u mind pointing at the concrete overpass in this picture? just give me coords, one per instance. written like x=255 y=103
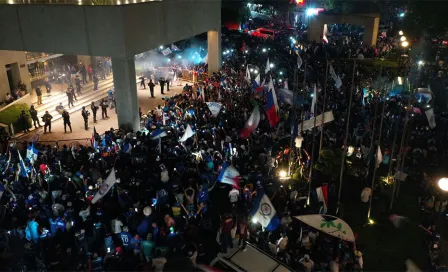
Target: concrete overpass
x=118 y=31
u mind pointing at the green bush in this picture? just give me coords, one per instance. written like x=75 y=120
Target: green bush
x=11 y=116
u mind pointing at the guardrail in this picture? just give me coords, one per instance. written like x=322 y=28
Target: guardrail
x=59 y=144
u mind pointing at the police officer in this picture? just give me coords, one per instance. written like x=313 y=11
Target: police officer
x=94 y=109
x=24 y=121
x=33 y=114
x=69 y=97
x=162 y=85
x=85 y=115
x=151 y=86
x=78 y=85
x=73 y=92
x=104 y=109
x=66 y=118
x=95 y=82
x=47 y=121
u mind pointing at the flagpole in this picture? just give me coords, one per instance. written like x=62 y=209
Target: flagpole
x=347 y=127
x=294 y=90
x=310 y=176
x=391 y=161
x=405 y=132
x=323 y=111
x=374 y=169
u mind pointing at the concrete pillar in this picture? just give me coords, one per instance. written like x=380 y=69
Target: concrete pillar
x=214 y=51
x=371 y=31
x=125 y=84
x=315 y=30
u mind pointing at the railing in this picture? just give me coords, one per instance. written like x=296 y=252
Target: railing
x=59 y=144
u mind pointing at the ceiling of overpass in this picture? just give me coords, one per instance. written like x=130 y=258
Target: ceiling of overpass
x=75 y=2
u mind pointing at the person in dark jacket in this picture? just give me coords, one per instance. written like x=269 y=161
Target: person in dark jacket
x=151 y=86
x=39 y=95
x=94 y=109
x=33 y=114
x=69 y=97
x=104 y=106
x=47 y=121
x=162 y=85
x=66 y=118
x=23 y=119
x=85 y=115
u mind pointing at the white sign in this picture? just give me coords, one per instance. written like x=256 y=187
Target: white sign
x=214 y=107
x=309 y=124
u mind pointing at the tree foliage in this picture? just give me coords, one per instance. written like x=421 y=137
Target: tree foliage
x=426 y=18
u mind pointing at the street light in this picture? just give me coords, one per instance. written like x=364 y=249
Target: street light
x=443 y=184
x=400 y=32
x=403 y=38
x=404 y=44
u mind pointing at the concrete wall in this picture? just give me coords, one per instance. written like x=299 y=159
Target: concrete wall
x=19 y=73
x=116 y=31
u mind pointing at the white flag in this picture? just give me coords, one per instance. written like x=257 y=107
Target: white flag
x=187 y=134
x=268 y=68
x=299 y=61
x=309 y=124
x=247 y=74
x=313 y=102
x=336 y=78
x=431 y=119
x=206 y=59
x=214 y=108
x=166 y=51
x=257 y=79
x=379 y=157
x=106 y=186
x=286 y=85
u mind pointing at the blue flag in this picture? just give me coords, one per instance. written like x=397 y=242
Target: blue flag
x=23 y=171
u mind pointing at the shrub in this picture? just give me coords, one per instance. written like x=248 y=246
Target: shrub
x=11 y=115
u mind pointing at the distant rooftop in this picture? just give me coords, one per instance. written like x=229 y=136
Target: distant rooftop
x=74 y=2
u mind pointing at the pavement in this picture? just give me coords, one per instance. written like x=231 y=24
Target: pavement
x=79 y=133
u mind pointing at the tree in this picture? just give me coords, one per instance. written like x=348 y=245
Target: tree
x=426 y=18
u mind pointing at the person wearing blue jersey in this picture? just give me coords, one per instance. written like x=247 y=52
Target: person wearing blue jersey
x=126 y=237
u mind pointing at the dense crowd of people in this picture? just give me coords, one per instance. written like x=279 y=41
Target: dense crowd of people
x=156 y=199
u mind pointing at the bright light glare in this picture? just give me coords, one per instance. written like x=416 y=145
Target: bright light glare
x=271 y=65
x=161 y=47
x=312 y=12
x=179 y=57
x=404 y=44
x=247 y=51
x=251 y=70
x=400 y=81
x=282 y=174
x=280 y=80
x=371 y=222
x=400 y=33
x=254 y=220
x=264 y=50
x=420 y=62
x=256 y=71
x=443 y=184
x=402 y=14
x=403 y=38
x=281 y=73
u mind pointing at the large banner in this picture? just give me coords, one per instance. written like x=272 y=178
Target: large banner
x=309 y=124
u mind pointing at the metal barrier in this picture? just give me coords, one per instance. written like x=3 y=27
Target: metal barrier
x=21 y=145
